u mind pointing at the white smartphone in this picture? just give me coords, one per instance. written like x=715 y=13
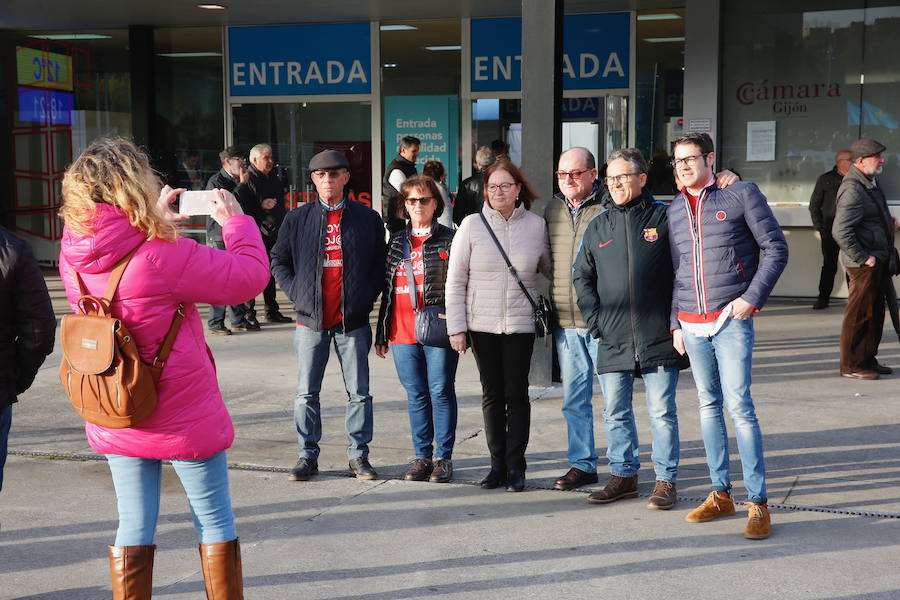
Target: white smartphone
x=196 y=202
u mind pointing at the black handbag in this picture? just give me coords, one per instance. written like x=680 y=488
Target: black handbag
x=543 y=314
x=431 y=321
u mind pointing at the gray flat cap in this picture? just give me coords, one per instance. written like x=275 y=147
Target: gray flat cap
x=866 y=147
x=327 y=160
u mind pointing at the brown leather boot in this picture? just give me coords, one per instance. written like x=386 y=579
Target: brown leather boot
x=131 y=571
x=222 y=574
x=616 y=489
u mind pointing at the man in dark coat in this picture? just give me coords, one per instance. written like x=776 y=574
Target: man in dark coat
x=27 y=327
x=623 y=279
x=399 y=170
x=864 y=229
x=821 y=209
x=264 y=194
x=329 y=259
x=470 y=196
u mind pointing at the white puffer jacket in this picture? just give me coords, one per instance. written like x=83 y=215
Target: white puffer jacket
x=482 y=295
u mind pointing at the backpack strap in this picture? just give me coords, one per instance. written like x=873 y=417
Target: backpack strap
x=115 y=276
x=160 y=359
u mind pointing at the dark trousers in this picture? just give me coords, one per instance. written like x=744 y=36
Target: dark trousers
x=830 y=251
x=217 y=313
x=268 y=293
x=504 y=361
x=863 y=318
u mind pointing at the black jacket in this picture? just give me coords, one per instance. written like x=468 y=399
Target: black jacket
x=254 y=192
x=823 y=200
x=298 y=255
x=223 y=180
x=469 y=197
x=623 y=278
x=863 y=225
x=436 y=263
x=27 y=323
x=389 y=193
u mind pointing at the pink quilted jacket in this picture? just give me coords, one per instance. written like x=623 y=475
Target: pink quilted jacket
x=190 y=421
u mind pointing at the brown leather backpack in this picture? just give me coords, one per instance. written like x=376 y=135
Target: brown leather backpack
x=101 y=369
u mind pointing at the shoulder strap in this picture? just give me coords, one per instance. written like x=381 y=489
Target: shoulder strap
x=160 y=359
x=116 y=275
x=509 y=266
x=410 y=276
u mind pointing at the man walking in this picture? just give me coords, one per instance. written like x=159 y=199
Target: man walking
x=329 y=258
x=568 y=214
x=864 y=230
x=399 y=170
x=720 y=283
x=232 y=174
x=623 y=277
x=264 y=192
x=821 y=209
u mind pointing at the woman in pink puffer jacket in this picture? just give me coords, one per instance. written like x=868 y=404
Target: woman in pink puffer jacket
x=113 y=204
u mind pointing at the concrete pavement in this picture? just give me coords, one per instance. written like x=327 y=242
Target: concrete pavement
x=833 y=454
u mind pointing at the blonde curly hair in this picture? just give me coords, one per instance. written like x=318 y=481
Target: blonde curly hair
x=114 y=171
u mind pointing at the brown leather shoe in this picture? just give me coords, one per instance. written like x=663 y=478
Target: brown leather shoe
x=443 y=471
x=716 y=505
x=419 y=470
x=861 y=374
x=759 y=523
x=663 y=497
x=575 y=478
x=222 y=573
x=131 y=571
x=616 y=488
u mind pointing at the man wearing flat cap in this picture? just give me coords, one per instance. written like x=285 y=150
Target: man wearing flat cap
x=329 y=259
x=864 y=229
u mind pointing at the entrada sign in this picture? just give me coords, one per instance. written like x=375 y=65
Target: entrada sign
x=596 y=53
x=293 y=60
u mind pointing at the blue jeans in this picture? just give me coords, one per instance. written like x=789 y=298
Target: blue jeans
x=623 y=449
x=5 y=424
x=352 y=349
x=138 y=482
x=577 y=351
x=428 y=375
x=721 y=365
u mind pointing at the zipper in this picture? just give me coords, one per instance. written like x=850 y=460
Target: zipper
x=697 y=262
x=629 y=262
x=572 y=256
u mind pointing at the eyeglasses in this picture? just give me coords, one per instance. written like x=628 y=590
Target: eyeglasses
x=623 y=178
x=422 y=200
x=504 y=187
x=329 y=174
x=573 y=174
x=688 y=160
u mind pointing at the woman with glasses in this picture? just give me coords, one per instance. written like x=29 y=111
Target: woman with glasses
x=428 y=373
x=487 y=309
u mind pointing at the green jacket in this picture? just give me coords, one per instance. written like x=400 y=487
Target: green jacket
x=565 y=238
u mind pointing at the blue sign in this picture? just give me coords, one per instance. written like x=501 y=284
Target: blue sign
x=596 y=53
x=300 y=60
x=45 y=106
x=432 y=119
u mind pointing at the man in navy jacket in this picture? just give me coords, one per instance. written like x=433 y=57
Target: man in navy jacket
x=329 y=259
x=720 y=283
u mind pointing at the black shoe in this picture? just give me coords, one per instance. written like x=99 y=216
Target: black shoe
x=245 y=326
x=494 y=479
x=304 y=469
x=361 y=469
x=219 y=329
x=254 y=324
x=278 y=318
x=882 y=369
x=820 y=304
x=515 y=481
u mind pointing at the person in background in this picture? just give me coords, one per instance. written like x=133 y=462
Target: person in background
x=470 y=196
x=399 y=170
x=487 y=308
x=232 y=174
x=435 y=170
x=113 y=206
x=189 y=175
x=427 y=373
x=27 y=327
x=500 y=150
x=822 y=205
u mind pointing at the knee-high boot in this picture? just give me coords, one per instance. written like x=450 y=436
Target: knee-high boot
x=131 y=570
x=222 y=574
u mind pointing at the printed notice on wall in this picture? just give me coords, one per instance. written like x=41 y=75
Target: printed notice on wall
x=760 y=140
